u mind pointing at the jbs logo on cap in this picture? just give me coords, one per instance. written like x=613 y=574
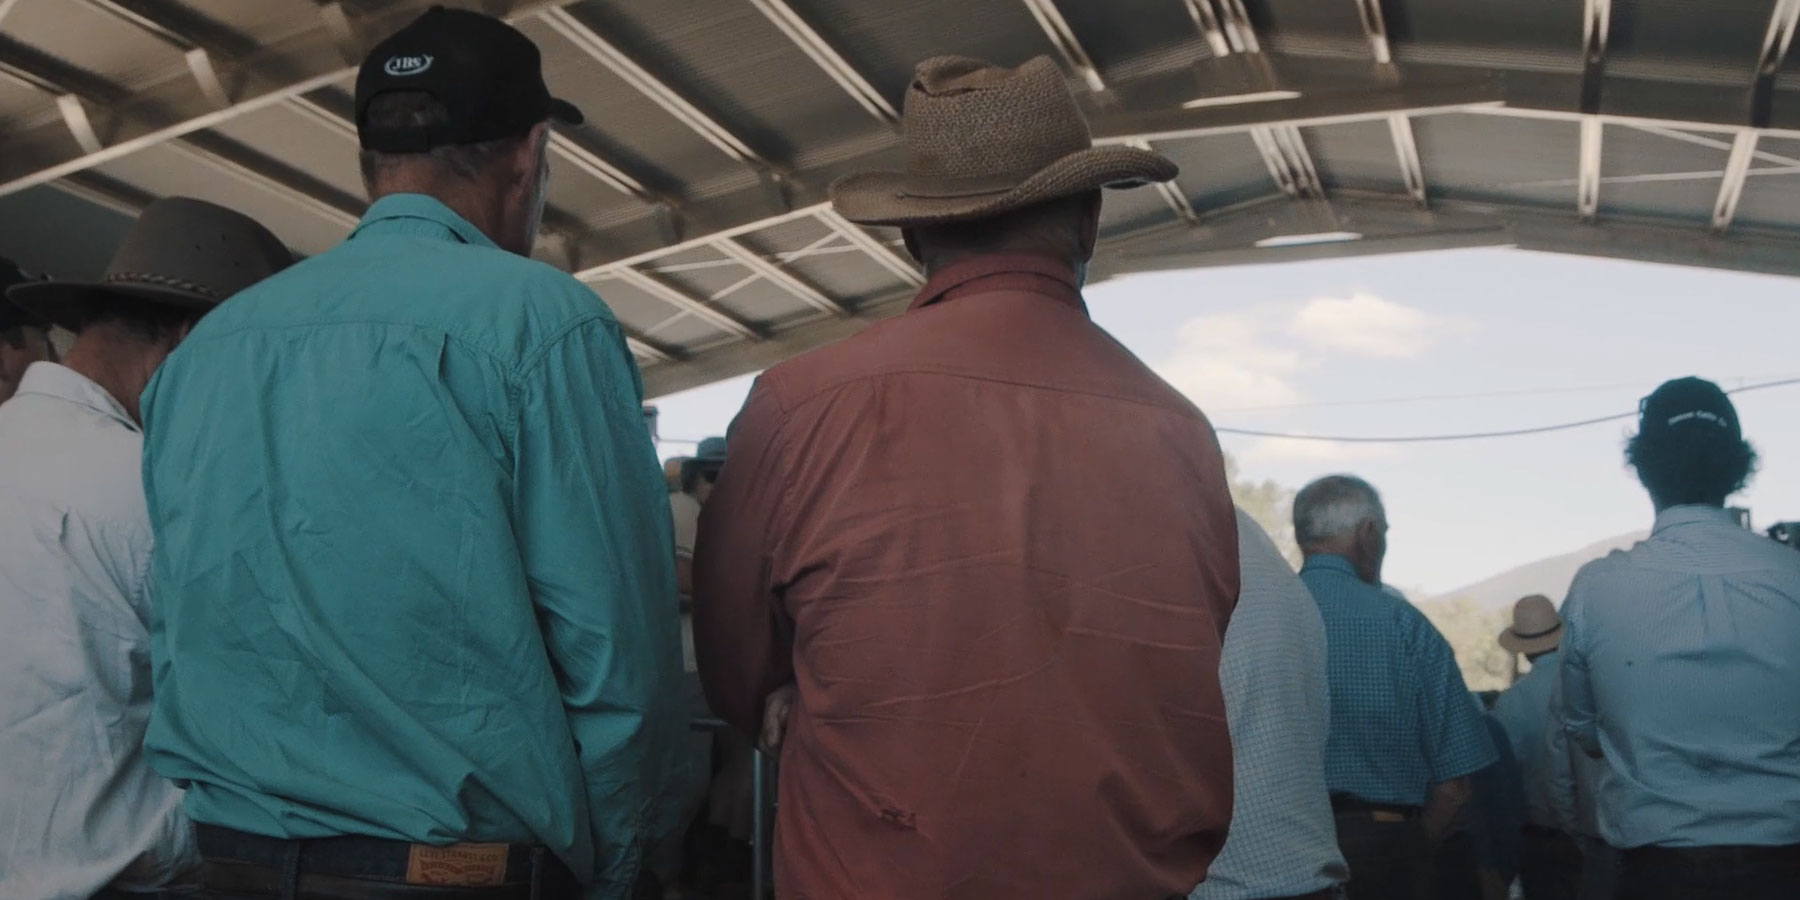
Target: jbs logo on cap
x=407 y=65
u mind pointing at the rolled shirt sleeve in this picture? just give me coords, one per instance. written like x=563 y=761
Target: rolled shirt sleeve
x=741 y=640
x=1456 y=740
x=592 y=522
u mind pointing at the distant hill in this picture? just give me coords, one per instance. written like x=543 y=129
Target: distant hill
x=1550 y=576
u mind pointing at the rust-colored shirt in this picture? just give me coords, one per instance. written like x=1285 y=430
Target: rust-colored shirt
x=996 y=555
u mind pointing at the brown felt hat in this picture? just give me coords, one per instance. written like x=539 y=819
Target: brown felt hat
x=982 y=140
x=1536 y=627
x=181 y=253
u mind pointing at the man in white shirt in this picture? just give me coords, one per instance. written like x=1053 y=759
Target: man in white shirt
x=81 y=813
x=1283 y=840
x=1679 y=669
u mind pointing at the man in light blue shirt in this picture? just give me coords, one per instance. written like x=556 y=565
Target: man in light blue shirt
x=415 y=589
x=1405 y=733
x=1551 y=866
x=1283 y=843
x=1681 y=670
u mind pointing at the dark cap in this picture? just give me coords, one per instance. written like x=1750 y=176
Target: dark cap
x=488 y=74
x=1688 y=403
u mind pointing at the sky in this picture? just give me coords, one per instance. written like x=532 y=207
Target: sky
x=1448 y=342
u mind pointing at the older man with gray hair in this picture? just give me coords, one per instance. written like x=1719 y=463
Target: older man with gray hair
x=1404 y=732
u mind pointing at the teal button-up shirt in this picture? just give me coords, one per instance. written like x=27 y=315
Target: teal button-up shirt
x=413 y=577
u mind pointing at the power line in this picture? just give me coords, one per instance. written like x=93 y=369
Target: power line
x=1472 y=436
x=1476 y=395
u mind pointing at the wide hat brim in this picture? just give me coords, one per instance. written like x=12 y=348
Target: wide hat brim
x=1511 y=641
x=903 y=199
x=69 y=304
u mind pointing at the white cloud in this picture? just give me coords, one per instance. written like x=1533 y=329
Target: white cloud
x=1366 y=325
x=1221 y=362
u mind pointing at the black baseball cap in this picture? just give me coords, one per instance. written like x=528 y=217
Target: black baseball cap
x=12 y=315
x=485 y=71
x=1688 y=403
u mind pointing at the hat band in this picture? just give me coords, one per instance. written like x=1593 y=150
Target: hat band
x=950 y=187
x=150 y=278
x=1523 y=636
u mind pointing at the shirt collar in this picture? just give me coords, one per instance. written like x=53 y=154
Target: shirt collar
x=1331 y=561
x=1677 y=516
x=396 y=207
x=1016 y=271
x=59 y=382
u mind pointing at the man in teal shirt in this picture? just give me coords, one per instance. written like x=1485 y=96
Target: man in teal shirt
x=413 y=570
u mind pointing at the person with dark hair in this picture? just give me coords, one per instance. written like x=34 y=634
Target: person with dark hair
x=1681 y=672
x=419 y=635
x=81 y=813
x=1405 y=732
x=24 y=338
x=981 y=556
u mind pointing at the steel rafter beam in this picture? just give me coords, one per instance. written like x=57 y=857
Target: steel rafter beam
x=1731 y=185
x=686 y=302
x=1776 y=40
x=880 y=252
x=778 y=276
x=643 y=348
x=672 y=102
x=76 y=92
x=204 y=52
x=1587 y=187
x=820 y=51
x=1057 y=29
x=1406 y=149
x=1596 y=30
x=1375 y=28
x=1226 y=26
x=304 y=69
x=1290 y=165
x=1068 y=46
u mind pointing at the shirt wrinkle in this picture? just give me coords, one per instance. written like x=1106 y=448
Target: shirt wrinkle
x=955 y=668
x=379 y=514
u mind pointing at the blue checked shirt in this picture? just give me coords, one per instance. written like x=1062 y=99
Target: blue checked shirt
x=1681 y=669
x=1283 y=840
x=1401 y=717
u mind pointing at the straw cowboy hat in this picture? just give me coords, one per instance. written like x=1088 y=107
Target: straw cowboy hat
x=983 y=140
x=1536 y=627
x=181 y=253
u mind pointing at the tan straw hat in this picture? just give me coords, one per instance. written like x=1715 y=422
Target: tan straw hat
x=181 y=253
x=983 y=140
x=1536 y=627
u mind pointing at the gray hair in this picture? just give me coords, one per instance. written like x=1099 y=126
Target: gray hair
x=417 y=109
x=1333 y=506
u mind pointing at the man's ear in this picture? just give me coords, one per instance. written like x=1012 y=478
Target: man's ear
x=525 y=156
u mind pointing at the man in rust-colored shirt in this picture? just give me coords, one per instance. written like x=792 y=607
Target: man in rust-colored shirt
x=985 y=554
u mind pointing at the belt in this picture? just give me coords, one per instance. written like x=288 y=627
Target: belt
x=1344 y=804
x=1713 y=856
x=363 y=868
x=1531 y=830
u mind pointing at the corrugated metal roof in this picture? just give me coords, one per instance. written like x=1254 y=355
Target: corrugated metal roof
x=693 y=199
